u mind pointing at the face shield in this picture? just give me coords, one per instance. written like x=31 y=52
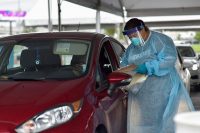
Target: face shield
x=135 y=36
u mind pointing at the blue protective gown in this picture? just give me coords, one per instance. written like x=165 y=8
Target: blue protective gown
x=151 y=109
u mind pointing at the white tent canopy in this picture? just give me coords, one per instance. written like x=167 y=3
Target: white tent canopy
x=15 y=5
x=140 y=8
x=133 y=8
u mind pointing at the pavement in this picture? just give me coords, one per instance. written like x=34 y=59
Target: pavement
x=195 y=95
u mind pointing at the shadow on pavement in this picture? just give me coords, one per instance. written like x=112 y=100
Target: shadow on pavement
x=195 y=95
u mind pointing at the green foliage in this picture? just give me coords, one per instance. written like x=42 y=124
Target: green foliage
x=110 y=31
x=121 y=36
x=196 y=48
x=179 y=37
x=27 y=30
x=197 y=36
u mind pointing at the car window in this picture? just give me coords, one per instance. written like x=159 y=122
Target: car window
x=179 y=62
x=107 y=64
x=1 y=48
x=45 y=59
x=118 y=49
x=186 y=51
x=14 y=60
x=107 y=58
x=179 y=57
x=104 y=61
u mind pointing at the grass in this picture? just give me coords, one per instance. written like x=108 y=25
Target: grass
x=196 y=48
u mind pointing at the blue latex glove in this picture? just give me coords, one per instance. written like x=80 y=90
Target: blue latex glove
x=141 y=69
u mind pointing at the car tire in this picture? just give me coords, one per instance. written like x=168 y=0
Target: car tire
x=101 y=129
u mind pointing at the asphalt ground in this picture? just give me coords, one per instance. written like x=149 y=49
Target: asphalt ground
x=195 y=95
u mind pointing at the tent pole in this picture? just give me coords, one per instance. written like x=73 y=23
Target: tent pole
x=10 y=27
x=98 y=17
x=59 y=17
x=123 y=10
x=98 y=25
x=124 y=16
x=49 y=16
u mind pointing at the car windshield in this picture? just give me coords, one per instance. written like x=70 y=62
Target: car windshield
x=40 y=59
x=186 y=51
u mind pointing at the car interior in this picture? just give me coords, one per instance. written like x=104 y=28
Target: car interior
x=43 y=62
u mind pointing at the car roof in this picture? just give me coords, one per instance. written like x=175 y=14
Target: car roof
x=71 y=35
x=183 y=45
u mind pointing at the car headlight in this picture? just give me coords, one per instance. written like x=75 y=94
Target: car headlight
x=50 y=118
x=195 y=66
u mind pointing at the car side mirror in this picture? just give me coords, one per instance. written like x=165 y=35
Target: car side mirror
x=117 y=79
x=198 y=56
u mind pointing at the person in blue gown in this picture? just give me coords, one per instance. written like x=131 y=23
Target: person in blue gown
x=152 y=107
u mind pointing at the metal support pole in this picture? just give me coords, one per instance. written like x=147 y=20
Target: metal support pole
x=49 y=16
x=98 y=17
x=124 y=15
x=123 y=9
x=59 y=15
x=10 y=27
x=98 y=25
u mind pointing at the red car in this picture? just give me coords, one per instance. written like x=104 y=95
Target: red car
x=62 y=83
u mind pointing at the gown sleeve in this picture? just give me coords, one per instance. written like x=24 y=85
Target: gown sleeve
x=165 y=58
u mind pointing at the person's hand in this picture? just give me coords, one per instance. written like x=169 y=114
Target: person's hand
x=142 y=69
x=127 y=69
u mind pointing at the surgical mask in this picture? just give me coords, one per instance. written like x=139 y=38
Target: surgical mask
x=135 y=41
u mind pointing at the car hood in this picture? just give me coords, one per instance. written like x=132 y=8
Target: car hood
x=22 y=100
x=192 y=59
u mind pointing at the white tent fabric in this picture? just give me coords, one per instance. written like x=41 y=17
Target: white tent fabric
x=139 y=8
x=15 y=5
x=12 y=9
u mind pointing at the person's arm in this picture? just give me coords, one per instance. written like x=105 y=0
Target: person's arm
x=125 y=66
x=165 y=60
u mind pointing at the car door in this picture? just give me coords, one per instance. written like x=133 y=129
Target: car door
x=114 y=106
